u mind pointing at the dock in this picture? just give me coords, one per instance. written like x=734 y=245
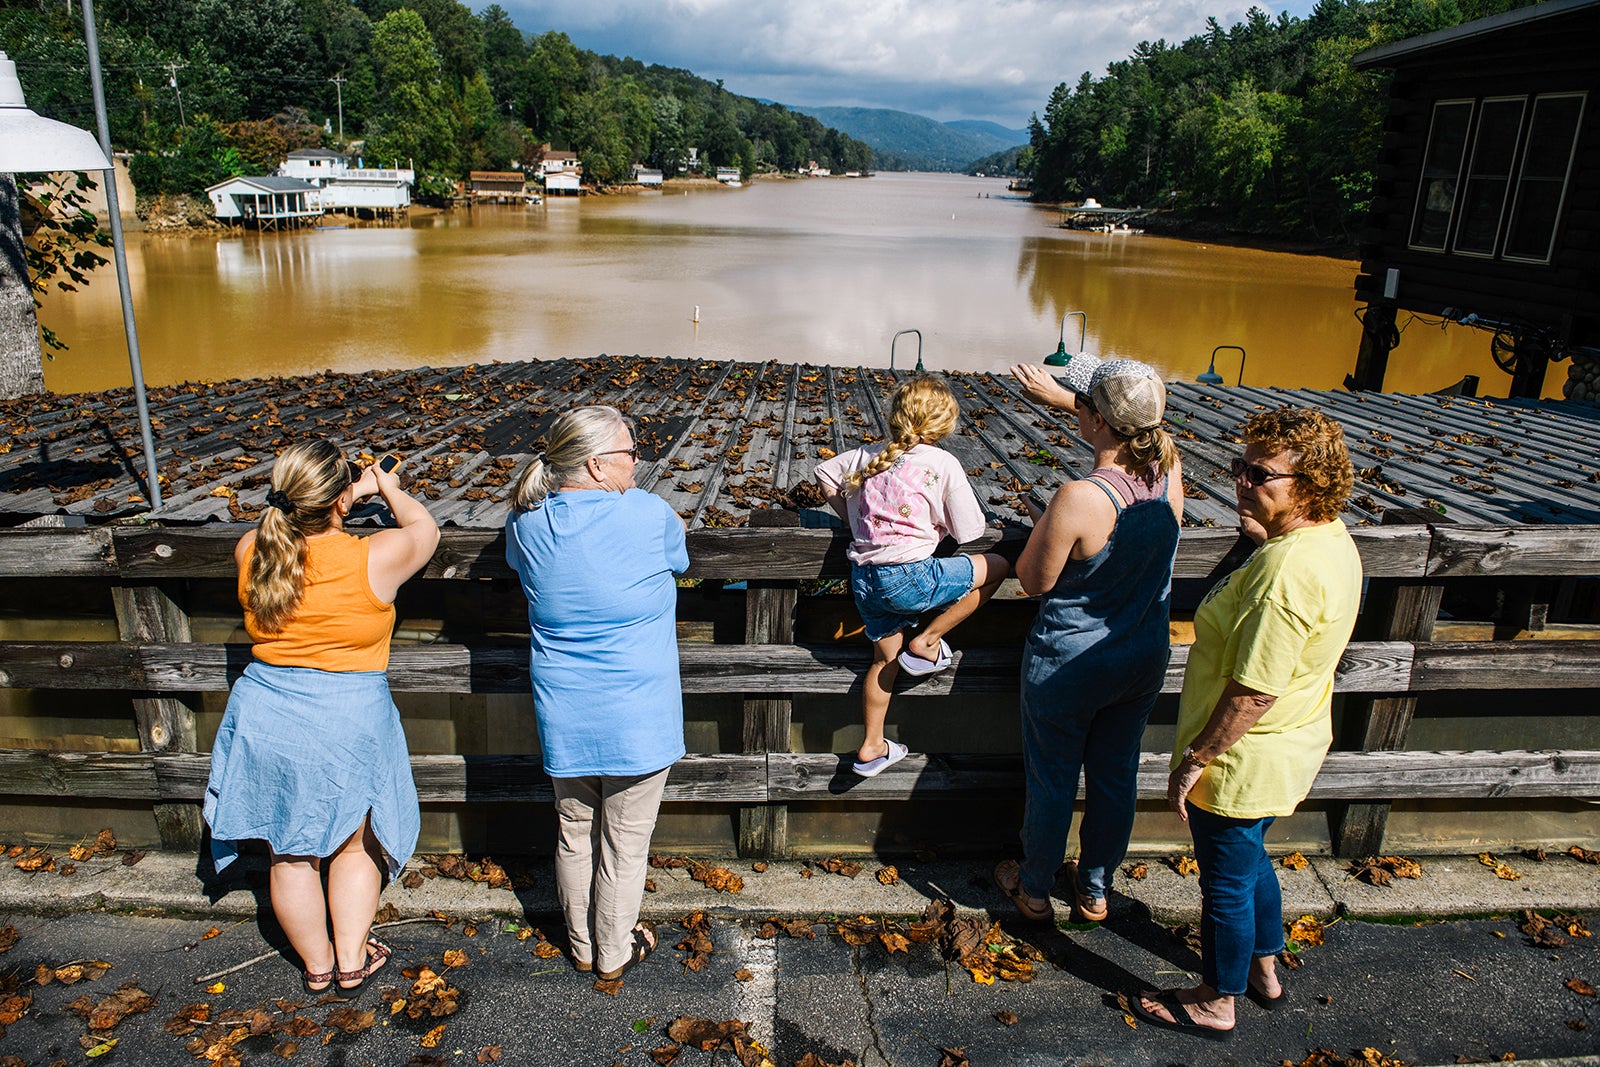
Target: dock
x=721 y=439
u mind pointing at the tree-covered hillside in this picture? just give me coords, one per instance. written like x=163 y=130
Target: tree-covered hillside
x=903 y=141
x=204 y=89
x=1263 y=127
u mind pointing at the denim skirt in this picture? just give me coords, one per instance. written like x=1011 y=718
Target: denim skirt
x=302 y=756
x=892 y=596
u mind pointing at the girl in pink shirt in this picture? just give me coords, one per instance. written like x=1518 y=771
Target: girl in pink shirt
x=901 y=498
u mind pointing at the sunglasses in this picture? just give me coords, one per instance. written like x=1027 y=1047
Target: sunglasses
x=1255 y=475
x=354 y=470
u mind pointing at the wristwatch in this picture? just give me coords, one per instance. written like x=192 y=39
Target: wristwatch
x=1191 y=759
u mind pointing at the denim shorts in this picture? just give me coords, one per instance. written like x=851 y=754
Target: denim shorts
x=892 y=596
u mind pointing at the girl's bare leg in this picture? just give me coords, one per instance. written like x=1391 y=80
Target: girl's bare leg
x=988 y=571
x=875 y=691
x=295 y=884
x=355 y=878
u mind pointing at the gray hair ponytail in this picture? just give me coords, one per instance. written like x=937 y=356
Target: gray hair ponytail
x=574 y=438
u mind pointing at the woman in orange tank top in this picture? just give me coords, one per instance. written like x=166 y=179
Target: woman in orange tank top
x=310 y=756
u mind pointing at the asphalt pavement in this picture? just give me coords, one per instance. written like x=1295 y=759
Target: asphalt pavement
x=1386 y=985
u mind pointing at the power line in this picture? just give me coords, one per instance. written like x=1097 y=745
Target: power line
x=172 y=80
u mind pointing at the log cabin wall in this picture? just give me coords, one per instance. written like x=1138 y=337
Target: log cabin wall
x=1527 y=55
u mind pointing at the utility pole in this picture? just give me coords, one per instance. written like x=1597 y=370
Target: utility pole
x=172 y=80
x=338 y=81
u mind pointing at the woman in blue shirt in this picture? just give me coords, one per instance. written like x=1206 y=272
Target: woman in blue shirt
x=597 y=557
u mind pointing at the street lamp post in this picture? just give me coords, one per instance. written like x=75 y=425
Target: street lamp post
x=30 y=143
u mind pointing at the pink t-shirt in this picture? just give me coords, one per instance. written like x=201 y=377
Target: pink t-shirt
x=900 y=515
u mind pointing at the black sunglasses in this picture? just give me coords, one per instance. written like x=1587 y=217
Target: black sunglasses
x=1256 y=475
x=353 y=469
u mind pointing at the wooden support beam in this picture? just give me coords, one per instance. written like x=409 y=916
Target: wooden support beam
x=1378 y=338
x=769 y=620
x=152 y=613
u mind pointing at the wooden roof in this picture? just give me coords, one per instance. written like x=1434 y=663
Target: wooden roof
x=719 y=439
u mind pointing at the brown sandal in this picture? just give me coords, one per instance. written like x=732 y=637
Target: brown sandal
x=1085 y=909
x=317 y=981
x=377 y=955
x=1008 y=877
x=644 y=943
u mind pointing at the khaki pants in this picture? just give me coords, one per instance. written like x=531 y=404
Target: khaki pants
x=605 y=825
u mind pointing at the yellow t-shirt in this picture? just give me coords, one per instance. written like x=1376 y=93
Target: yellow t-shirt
x=1277 y=625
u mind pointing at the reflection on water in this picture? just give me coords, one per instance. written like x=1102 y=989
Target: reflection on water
x=810 y=270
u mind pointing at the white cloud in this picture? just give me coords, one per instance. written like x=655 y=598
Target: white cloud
x=949 y=59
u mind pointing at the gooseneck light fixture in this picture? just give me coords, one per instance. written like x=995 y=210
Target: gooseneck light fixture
x=1060 y=357
x=1209 y=376
x=30 y=143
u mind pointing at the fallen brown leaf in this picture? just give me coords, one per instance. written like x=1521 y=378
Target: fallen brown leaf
x=889 y=876
x=431 y=1038
x=350 y=1020
x=665 y=1054
x=1583 y=855
x=609 y=986
x=1580 y=987
x=717 y=878
x=13 y=1007
x=840 y=865
x=895 y=942
x=1184 y=865
x=1306 y=930
x=8 y=938
x=954 y=1057
x=759 y=866
x=1295 y=861
x=455 y=957
x=1007 y=1018
x=1138 y=871
x=489 y=1054
x=286 y=1049
x=744 y=974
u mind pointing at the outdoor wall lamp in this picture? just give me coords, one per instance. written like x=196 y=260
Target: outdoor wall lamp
x=1060 y=358
x=919 y=347
x=30 y=143
x=1209 y=376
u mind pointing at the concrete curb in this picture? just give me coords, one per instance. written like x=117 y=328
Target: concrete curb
x=1450 y=886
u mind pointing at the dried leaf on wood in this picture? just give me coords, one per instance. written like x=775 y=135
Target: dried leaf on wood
x=889 y=876
x=1295 y=861
x=1184 y=865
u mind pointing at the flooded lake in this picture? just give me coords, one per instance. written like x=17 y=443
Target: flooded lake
x=813 y=270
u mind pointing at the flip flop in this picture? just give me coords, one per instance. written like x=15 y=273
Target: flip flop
x=1264 y=1002
x=916 y=666
x=1181 y=1020
x=1085 y=908
x=874 y=767
x=1008 y=878
x=644 y=943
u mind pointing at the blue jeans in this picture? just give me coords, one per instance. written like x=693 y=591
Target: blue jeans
x=1058 y=742
x=1241 y=907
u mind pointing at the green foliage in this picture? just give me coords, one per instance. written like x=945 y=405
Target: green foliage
x=425 y=81
x=61 y=249
x=1263 y=126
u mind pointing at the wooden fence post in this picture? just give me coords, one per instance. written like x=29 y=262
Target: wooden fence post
x=768 y=620
x=149 y=614
x=1396 y=611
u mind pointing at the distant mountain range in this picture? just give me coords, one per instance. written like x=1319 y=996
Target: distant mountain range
x=903 y=141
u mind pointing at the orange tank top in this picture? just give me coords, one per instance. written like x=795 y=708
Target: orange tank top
x=340 y=624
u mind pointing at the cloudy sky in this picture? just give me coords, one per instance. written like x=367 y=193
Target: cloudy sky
x=947 y=59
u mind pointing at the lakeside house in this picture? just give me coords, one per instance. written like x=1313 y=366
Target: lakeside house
x=561 y=171
x=728 y=175
x=497 y=187
x=268 y=202
x=364 y=191
x=1486 y=207
x=643 y=175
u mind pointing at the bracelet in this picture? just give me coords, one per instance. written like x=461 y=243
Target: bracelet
x=1192 y=759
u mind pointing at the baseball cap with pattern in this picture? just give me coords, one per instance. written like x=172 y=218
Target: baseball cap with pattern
x=1078 y=372
x=1129 y=395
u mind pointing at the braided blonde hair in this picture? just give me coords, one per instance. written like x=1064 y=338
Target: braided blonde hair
x=311 y=476
x=922 y=410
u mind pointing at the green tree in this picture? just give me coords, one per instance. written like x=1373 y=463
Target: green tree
x=414 y=119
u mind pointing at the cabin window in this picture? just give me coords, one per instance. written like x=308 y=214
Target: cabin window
x=1542 y=183
x=1441 y=171
x=1483 y=195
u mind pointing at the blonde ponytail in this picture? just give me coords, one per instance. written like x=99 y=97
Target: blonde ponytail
x=307 y=481
x=1152 y=447
x=922 y=410
x=574 y=438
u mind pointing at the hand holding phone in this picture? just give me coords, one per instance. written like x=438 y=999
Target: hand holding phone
x=388 y=463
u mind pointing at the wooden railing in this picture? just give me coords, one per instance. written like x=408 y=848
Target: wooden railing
x=1392 y=659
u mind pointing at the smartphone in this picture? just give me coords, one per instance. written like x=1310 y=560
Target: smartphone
x=388 y=463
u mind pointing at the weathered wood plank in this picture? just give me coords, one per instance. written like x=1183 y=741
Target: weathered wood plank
x=1344 y=776
x=1507 y=665
x=1459 y=551
x=448 y=779
x=101 y=775
x=1374 y=666
x=57 y=553
x=769 y=620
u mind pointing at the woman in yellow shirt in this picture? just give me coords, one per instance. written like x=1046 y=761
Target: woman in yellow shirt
x=1255 y=718
x=310 y=756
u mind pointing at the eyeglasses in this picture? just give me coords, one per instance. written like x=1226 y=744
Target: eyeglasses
x=1255 y=475
x=631 y=453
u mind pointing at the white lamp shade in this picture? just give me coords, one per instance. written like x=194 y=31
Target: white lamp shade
x=30 y=143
